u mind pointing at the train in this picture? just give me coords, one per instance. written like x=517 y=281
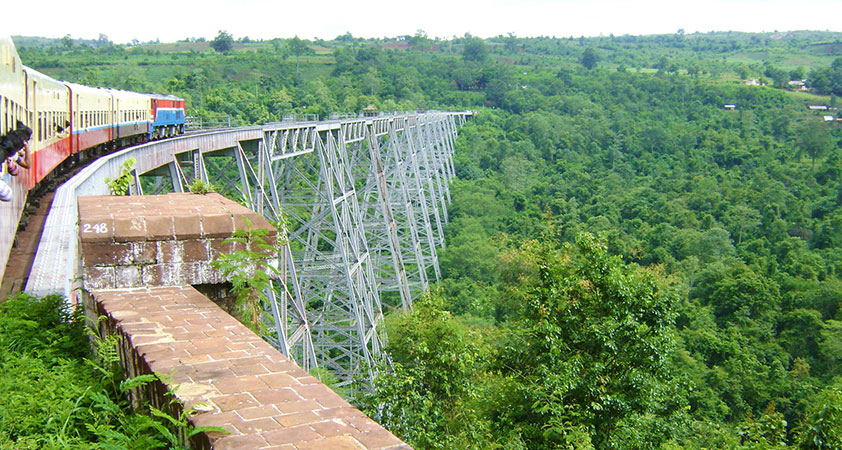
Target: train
x=68 y=122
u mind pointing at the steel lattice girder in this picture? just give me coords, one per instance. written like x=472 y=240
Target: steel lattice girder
x=361 y=205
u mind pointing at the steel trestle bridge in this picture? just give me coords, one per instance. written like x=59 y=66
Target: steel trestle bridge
x=361 y=203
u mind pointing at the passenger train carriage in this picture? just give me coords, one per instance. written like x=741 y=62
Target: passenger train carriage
x=69 y=119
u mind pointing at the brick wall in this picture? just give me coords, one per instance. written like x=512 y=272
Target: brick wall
x=139 y=257
x=243 y=384
x=162 y=240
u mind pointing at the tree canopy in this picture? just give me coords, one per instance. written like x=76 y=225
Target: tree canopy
x=223 y=42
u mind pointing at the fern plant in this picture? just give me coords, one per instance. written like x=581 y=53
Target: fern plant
x=149 y=429
x=249 y=272
x=120 y=185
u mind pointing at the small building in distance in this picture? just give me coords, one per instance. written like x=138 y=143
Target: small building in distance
x=730 y=107
x=800 y=85
x=817 y=107
x=370 y=111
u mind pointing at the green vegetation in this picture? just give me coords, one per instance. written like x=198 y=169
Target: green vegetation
x=249 y=272
x=120 y=185
x=629 y=263
x=56 y=395
x=199 y=186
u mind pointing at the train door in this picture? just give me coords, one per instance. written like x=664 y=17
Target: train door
x=76 y=125
x=34 y=124
x=116 y=109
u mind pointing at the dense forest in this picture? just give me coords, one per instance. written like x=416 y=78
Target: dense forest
x=629 y=263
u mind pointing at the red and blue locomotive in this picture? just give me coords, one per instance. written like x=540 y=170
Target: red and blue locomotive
x=61 y=120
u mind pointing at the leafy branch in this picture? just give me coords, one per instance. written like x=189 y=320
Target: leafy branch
x=249 y=272
x=120 y=185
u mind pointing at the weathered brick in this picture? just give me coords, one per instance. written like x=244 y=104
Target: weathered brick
x=333 y=443
x=288 y=435
x=127 y=276
x=297 y=406
x=144 y=252
x=95 y=229
x=217 y=419
x=106 y=254
x=377 y=439
x=217 y=225
x=330 y=428
x=168 y=252
x=242 y=442
x=233 y=402
x=154 y=275
x=159 y=228
x=276 y=396
x=259 y=412
x=218 y=246
x=279 y=380
x=299 y=418
x=243 y=220
x=247 y=368
x=128 y=229
x=195 y=250
x=187 y=226
x=257 y=426
x=98 y=277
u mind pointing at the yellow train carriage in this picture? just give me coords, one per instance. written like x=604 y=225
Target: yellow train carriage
x=92 y=121
x=12 y=87
x=49 y=103
x=132 y=116
x=12 y=109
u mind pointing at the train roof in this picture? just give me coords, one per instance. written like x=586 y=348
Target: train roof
x=81 y=88
x=164 y=96
x=43 y=78
x=10 y=65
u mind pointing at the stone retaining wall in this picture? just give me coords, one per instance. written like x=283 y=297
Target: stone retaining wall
x=139 y=257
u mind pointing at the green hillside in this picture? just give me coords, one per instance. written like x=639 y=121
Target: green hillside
x=629 y=263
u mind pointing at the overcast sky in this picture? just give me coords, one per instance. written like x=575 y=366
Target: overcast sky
x=172 y=20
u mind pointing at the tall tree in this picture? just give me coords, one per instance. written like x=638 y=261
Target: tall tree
x=298 y=47
x=598 y=335
x=223 y=42
x=589 y=58
x=814 y=140
x=474 y=50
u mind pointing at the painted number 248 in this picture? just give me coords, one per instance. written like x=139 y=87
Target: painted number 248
x=97 y=228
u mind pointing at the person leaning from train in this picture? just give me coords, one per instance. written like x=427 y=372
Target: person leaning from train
x=15 y=150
